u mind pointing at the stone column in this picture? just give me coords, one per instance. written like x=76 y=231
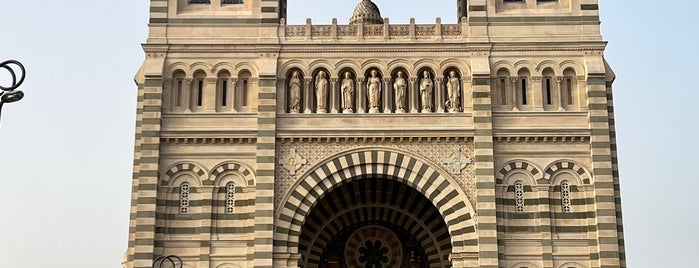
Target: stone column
x=334 y=96
x=413 y=94
x=537 y=100
x=387 y=100
x=515 y=103
x=186 y=94
x=360 y=95
x=234 y=95
x=307 y=96
x=559 y=99
x=439 y=94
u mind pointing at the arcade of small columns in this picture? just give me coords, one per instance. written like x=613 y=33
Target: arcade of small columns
x=350 y=93
x=397 y=92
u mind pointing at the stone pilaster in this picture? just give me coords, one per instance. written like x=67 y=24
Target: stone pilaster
x=307 y=96
x=334 y=95
x=439 y=94
x=387 y=98
x=146 y=184
x=413 y=92
x=608 y=253
x=264 y=200
x=360 y=93
x=485 y=173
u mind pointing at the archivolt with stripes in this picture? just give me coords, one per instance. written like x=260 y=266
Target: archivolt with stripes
x=451 y=202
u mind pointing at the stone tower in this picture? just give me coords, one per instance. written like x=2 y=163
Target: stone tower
x=486 y=143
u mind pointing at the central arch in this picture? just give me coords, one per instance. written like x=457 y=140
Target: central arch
x=405 y=168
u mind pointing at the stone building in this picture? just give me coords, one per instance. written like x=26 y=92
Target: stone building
x=486 y=143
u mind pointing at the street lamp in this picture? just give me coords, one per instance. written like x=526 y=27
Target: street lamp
x=174 y=261
x=11 y=94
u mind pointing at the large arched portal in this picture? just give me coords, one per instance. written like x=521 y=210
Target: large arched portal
x=337 y=212
x=374 y=222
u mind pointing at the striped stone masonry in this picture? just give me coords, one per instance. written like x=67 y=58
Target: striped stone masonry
x=264 y=201
x=237 y=164
x=615 y=171
x=607 y=250
x=485 y=174
x=148 y=163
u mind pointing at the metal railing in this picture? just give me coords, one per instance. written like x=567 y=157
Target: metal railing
x=170 y=261
x=10 y=93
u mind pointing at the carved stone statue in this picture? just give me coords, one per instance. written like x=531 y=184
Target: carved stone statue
x=453 y=92
x=347 y=89
x=399 y=86
x=322 y=86
x=374 y=91
x=426 y=89
x=295 y=93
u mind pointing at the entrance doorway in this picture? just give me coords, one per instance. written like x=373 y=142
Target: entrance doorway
x=374 y=223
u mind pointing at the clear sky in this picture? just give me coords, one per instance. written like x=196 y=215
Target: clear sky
x=66 y=150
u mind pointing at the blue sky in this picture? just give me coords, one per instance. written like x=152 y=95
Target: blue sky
x=66 y=149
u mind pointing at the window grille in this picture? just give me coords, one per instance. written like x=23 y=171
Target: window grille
x=519 y=196
x=200 y=1
x=184 y=198
x=565 y=197
x=230 y=2
x=230 y=198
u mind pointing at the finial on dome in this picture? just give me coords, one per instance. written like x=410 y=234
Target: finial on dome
x=366 y=12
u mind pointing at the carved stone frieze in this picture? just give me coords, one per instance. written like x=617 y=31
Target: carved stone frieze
x=347 y=30
x=434 y=153
x=372 y=30
x=322 y=30
x=451 y=30
x=292 y=31
x=399 y=30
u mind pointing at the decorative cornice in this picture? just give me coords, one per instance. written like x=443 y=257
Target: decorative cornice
x=211 y=141
x=374 y=139
x=541 y=139
x=379 y=50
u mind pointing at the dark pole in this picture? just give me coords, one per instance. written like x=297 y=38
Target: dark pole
x=174 y=261
x=11 y=94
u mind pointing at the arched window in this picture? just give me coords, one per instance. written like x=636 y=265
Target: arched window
x=522 y=91
x=197 y=96
x=568 y=89
x=223 y=92
x=243 y=94
x=184 y=198
x=565 y=197
x=178 y=91
x=503 y=82
x=519 y=196
x=230 y=198
x=548 y=89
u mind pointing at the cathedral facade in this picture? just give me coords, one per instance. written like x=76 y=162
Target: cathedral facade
x=485 y=143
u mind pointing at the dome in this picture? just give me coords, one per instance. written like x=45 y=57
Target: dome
x=366 y=12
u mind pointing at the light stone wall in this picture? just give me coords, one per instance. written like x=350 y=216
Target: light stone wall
x=252 y=51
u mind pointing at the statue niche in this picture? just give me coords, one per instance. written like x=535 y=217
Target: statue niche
x=347 y=90
x=399 y=88
x=426 y=91
x=374 y=91
x=322 y=86
x=295 y=92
